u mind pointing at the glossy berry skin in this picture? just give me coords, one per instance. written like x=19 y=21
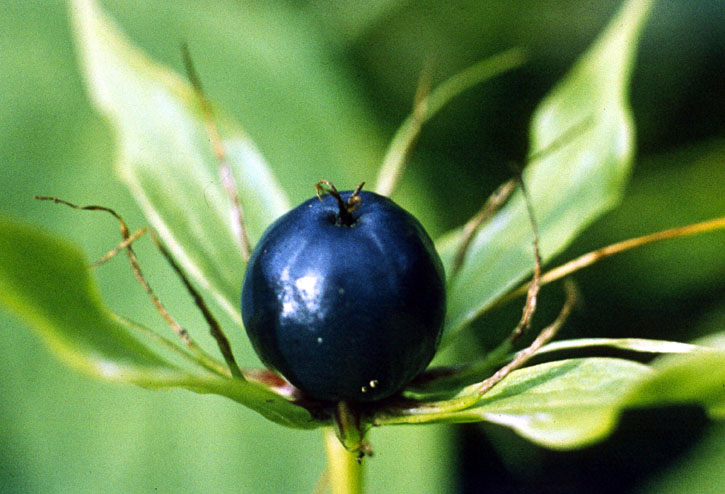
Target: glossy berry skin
x=345 y=312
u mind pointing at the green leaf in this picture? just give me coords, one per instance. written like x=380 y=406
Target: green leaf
x=563 y=404
x=697 y=378
x=642 y=345
x=166 y=159
x=45 y=282
x=445 y=382
x=571 y=183
x=571 y=403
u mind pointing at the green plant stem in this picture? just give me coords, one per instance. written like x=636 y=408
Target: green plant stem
x=345 y=473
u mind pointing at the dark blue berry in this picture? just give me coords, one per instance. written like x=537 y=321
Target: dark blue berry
x=347 y=305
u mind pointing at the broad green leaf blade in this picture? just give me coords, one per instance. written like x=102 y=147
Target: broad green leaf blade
x=45 y=282
x=697 y=378
x=442 y=383
x=571 y=403
x=571 y=184
x=166 y=159
x=562 y=405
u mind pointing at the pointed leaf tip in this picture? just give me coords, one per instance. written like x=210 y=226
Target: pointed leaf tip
x=571 y=183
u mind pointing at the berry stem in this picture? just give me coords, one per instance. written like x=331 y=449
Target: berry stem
x=344 y=471
x=346 y=208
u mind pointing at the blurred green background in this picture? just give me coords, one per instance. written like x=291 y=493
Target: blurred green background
x=320 y=87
